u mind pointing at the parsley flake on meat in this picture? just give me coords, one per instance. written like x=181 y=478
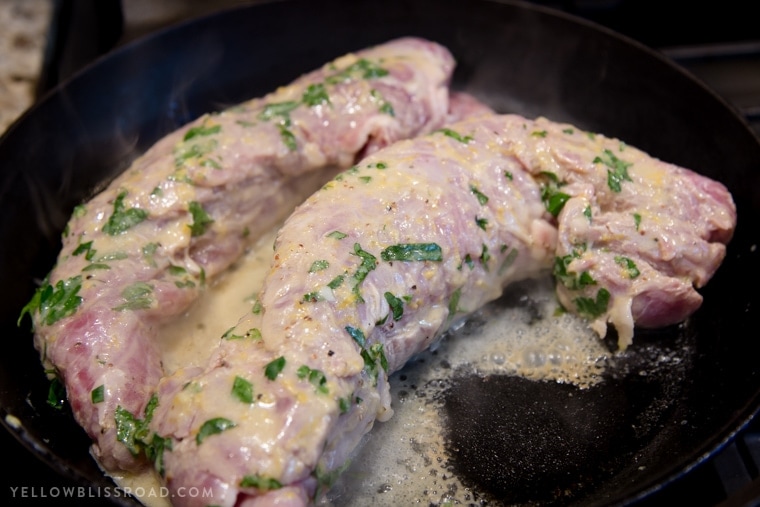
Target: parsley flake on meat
x=396 y=305
x=368 y=263
x=554 y=199
x=201 y=130
x=123 y=218
x=628 y=265
x=357 y=334
x=482 y=198
x=97 y=395
x=315 y=95
x=54 y=303
x=617 y=171
x=274 y=367
x=242 y=389
x=593 y=308
x=201 y=219
x=137 y=296
x=315 y=377
x=213 y=427
x=259 y=482
x=412 y=252
x=454 y=135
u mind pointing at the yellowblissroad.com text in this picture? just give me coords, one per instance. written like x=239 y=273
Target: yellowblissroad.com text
x=73 y=492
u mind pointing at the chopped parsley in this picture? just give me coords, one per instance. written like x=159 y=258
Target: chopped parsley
x=412 y=252
x=481 y=222
x=315 y=377
x=312 y=297
x=201 y=130
x=482 y=198
x=260 y=483
x=454 y=302
x=98 y=395
x=628 y=265
x=95 y=266
x=213 y=427
x=637 y=220
x=617 y=171
x=287 y=136
x=54 y=303
x=274 y=367
x=593 y=308
x=155 y=451
x=485 y=256
x=315 y=95
x=372 y=357
x=454 y=135
x=193 y=150
x=554 y=199
x=113 y=256
x=336 y=282
x=368 y=263
x=337 y=235
x=201 y=219
x=362 y=69
x=319 y=265
x=357 y=334
x=137 y=296
x=385 y=107
x=122 y=218
x=281 y=109
x=230 y=335
x=396 y=305
x=467 y=261
x=86 y=249
x=56 y=394
x=568 y=278
x=242 y=389
x=134 y=432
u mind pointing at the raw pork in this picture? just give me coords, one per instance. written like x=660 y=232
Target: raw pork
x=140 y=252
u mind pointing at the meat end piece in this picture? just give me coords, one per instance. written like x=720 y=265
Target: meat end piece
x=637 y=236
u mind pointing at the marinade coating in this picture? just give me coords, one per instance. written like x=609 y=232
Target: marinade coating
x=139 y=253
x=637 y=236
x=373 y=267
x=369 y=271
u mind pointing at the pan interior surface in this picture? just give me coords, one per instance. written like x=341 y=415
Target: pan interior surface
x=508 y=439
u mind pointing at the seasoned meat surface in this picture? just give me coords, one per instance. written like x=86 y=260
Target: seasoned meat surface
x=140 y=252
x=637 y=236
x=373 y=267
x=367 y=272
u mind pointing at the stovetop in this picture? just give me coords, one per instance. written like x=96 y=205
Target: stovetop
x=718 y=43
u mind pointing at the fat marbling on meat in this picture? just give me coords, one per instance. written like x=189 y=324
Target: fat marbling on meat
x=373 y=267
x=139 y=253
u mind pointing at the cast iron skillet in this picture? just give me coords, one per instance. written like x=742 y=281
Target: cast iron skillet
x=616 y=444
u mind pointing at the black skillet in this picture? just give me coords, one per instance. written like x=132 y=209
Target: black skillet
x=618 y=443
